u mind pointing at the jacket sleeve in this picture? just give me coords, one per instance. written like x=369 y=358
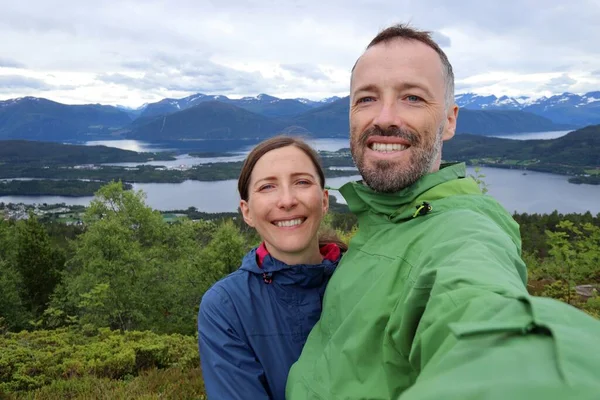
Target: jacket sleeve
x=229 y=366
x=470 y=330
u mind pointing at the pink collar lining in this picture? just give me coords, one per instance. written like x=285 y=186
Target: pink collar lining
x=330 y=252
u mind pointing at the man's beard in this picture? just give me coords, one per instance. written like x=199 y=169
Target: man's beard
x=390 y=176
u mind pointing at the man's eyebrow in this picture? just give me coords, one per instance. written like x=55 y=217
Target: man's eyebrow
x=366 y=88
x=413 y=85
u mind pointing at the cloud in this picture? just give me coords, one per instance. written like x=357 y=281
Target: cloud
x=206 y=78
x=304 y=70
x=560 y=83
x=9 y=63
x=13 y=82
x=245 y=47
x=441 y=39
x=136 y=65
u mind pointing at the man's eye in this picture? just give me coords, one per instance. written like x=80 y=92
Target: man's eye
x=365 y=99
x=413 y=98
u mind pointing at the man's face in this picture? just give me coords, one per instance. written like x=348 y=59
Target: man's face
x=398 y=118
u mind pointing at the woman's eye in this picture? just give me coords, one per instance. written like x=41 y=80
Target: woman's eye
x=304 y=182
x=265 y=187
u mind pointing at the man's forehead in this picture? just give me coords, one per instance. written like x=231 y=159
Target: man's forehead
x=400 y=50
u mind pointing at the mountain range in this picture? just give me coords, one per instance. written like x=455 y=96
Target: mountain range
x=36 y=118
x=566 y=108
x=264 y=104
x=202 y=116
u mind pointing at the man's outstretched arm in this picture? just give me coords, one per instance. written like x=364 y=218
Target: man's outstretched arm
x=471 y=331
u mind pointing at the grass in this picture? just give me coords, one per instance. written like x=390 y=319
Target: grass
x=172 y=383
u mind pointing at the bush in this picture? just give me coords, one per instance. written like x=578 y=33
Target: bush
x=31 y=360
x=172 y=383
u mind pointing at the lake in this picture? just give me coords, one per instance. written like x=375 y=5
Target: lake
x=531 y=192
x=534 y=192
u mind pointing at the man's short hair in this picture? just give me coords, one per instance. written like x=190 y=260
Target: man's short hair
x=403 y=31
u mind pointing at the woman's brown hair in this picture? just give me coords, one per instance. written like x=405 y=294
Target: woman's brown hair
x=278 y=142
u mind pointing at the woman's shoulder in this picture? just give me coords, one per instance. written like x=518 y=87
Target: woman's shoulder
x=233 y=285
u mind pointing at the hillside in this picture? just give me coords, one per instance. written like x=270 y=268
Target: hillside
x=31 y=153
x=218 y=117
x=580 y=148
x=208 y=120
x=40 y=119
x=495 y=122
x=330 y=120
x=215 y=119
x=576 y=154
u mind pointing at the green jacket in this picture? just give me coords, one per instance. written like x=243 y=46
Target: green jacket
x=434 y=305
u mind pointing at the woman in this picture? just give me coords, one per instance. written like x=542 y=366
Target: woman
x=253 y=323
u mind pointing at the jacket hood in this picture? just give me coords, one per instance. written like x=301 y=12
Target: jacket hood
x=305 y=275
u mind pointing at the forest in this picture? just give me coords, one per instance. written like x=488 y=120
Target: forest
x=107 y=309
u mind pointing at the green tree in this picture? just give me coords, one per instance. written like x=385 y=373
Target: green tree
x=133 y=270
x=575 y=255
x=116 y=260
x=14 y=315
x=38 y=261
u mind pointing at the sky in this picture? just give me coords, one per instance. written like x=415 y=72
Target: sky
x=131 y=52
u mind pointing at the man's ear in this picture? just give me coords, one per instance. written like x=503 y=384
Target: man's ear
x=450 y=127
x=325 y=201
x=246 y=213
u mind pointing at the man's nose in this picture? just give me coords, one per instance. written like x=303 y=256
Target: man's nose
x=388 y=115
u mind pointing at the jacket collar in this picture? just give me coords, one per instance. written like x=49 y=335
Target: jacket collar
x=449 y=180
x=304 y=275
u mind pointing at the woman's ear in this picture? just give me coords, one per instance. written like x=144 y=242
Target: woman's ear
x=246 y=213
x=325 y=201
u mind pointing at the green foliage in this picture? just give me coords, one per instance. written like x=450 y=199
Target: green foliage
x=574 y=153
x=577 y=248
x=534 y=226
x=572 y=259
x=226 y=249
x=30 y=360
x=39 y=154
x=47 y=187
x=479 y=178
x=592 y=306
x=141 y=173
x=132 y=270
x=38 y=262
x=155 y=384
x=14 y=315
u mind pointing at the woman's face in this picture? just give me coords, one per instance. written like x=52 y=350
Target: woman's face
x=286 y=205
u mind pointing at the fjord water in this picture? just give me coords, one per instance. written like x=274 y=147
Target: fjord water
x=531 y=192
x=534 y=192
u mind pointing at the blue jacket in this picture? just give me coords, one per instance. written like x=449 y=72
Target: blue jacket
x=253 y=324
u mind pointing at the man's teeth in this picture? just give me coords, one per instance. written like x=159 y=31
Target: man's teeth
x=292 y=222
x=385 y=147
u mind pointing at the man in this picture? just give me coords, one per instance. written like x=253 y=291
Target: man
x=430 y=301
